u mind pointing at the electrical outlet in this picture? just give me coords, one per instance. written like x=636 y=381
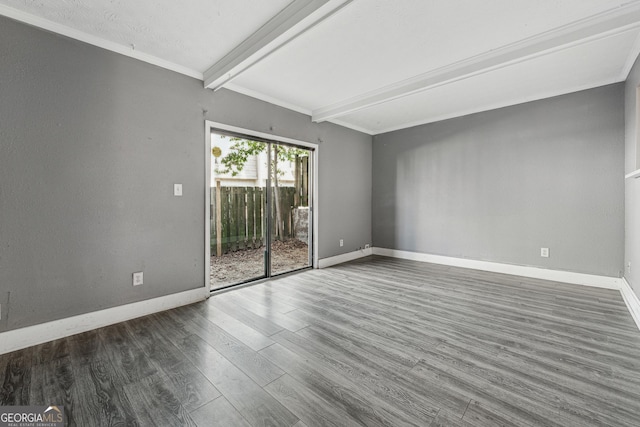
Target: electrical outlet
x=544 y=252
x=138 y=278
x=341 y=242
x=177 y=189
x=367 y=246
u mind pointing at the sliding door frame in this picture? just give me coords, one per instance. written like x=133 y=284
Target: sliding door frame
x=211 y=126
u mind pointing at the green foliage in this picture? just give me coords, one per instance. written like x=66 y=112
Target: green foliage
x=240 y=152
x=242 y=149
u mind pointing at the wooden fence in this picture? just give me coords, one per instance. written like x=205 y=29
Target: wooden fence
x=242 y=214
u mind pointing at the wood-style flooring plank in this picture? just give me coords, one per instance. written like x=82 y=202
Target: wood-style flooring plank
x=186 y=382
x=366 y=310
x=249 y=336
x=250 y=319
x=189 y=385
x=342 y=393
x=377 y=380
x=15 y=377
x=267 y=294
x=52 y=384
x=101 y=400
x=368 y=322
x=364 y=365
x=263 y=311
x=311 y=408
x=597 y=394
x=171 y=325
x=50 y=351
x=218 y=413
x=357 y=340
x=124 y=353
x=385 y=291
x=252 y=401
x=519 y=383
x=481 y=414
x=445 y=419
x=478 y=389
x=377 y=342
x=150 y=340
x=247 y=360
x=155 y=404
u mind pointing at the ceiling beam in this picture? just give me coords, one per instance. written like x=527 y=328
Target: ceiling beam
x=599 y=26
x=294 y=20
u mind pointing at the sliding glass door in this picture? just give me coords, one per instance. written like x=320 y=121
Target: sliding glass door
x=260 y=216
x=289 y=214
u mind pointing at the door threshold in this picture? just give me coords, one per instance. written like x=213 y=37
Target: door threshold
x=257 y=281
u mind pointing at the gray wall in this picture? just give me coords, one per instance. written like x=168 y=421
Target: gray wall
x=91 y=143
x=499 y=185
x=632 y=186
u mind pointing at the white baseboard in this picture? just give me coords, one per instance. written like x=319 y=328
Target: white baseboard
x=339 y=259
x=517 y=270
x=632 y=301
x=37 y=334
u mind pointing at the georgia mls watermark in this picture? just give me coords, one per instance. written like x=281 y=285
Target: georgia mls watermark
x=32 y=416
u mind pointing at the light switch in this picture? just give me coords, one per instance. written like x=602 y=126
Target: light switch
x=177 y=189
x=138 y=278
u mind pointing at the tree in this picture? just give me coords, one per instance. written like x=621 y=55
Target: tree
x=240 y=152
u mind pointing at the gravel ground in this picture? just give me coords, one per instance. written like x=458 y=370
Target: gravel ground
x=239 y=266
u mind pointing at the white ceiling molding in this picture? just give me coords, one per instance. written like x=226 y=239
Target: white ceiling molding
x=483 y=108
x=600 y=26
x=271 y=100
x=266 y=98
x=373 y=66
x=129 y=51
x=631 y=59
x=352 y=126
x=294 y=20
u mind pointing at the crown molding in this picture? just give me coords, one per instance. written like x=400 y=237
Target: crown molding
x=280 y=103
x=606 y=24
x=348 y=125
x=631 y=59
x=271 y=100
x=64 y=30
x=294 y=20
x=494 y=106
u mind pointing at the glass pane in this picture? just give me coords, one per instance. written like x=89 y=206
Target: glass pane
x=291 y=220
x=237 y=212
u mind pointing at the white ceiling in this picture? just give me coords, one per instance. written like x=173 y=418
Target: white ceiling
x=372 y=65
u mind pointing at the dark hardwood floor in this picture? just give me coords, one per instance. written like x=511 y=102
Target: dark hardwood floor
x=377 y=341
